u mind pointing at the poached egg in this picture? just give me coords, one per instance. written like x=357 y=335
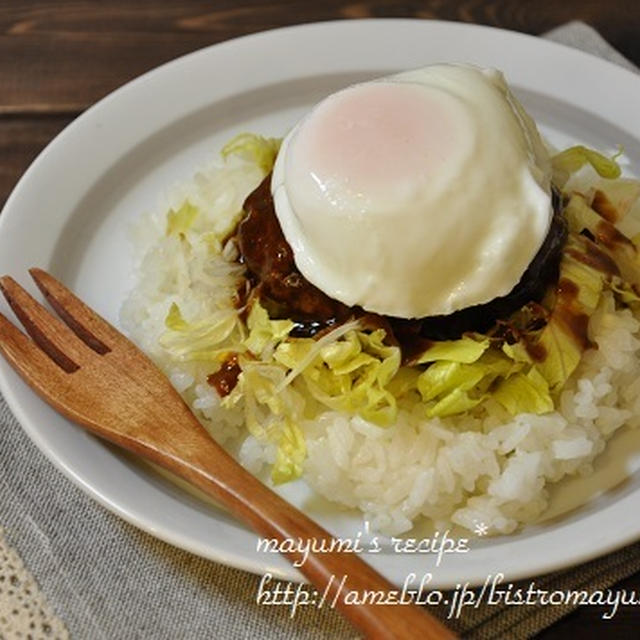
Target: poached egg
x=415 y=195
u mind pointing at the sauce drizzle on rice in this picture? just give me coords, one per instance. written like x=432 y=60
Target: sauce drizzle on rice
x=226 y=378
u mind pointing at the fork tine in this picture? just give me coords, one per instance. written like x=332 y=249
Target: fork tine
x=28 y=360
x=51 y=335
x=96 y=332
x=82 y=320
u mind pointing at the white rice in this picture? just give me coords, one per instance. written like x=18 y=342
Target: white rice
x=490 y=467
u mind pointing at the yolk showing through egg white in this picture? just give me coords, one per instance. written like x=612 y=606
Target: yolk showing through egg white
x=416 y=195
x=374 y=144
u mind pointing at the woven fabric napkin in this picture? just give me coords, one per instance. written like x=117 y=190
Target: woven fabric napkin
x=103 y=578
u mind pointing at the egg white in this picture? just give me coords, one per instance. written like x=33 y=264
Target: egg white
x=415 y=195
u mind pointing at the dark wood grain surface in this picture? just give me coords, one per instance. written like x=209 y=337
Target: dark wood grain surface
x=57 y=58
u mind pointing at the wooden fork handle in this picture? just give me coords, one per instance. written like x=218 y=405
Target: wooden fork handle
x=341 y=580
x=97 y=378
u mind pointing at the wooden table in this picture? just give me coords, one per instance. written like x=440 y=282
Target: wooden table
x=57 y=58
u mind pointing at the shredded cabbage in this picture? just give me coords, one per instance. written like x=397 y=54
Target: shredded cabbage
x=253 y=148
x=621 y=250
x=272 y=415
x=625 y=292
x=466 y=349
x=574 y=158
x=524 y=393
x=290 y=454
x=204 y=340
x=264 y=333
x=449 y=387
x=320 y=343
x=174 y=319
x=350 y=374
x=564 y=338
x=180 y=221
x=620 y=195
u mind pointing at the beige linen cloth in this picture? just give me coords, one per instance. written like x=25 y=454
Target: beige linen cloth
x=70 y=568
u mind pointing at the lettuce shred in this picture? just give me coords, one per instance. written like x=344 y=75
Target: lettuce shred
x=525 y=393
x=574 y=158
x=180 y=221
x=205 y=340
x=270 y=415
x=564 y=339
x=614 y=199
x=466 y=349
x=350 y=374
x=290 y=454
x=621 y=251
x=253 y=148
x=264 y=333
x=625 y=292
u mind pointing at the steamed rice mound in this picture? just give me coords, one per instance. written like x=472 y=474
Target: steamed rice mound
x=483 y=466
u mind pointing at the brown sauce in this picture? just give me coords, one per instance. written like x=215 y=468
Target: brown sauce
x=604 y=207
x=575 y=323
x=226 y=378
x=285 y=293
x=536 y=351
x=595 y=257
x=567 y=289
x=608 y=236
x=269 y=259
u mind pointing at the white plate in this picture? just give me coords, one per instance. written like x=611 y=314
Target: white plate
x=70 y=213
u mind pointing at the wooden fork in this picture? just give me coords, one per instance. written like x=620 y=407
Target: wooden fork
x=89 y=372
